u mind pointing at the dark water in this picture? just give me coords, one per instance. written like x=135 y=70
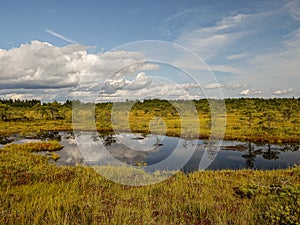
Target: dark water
x=175 y=153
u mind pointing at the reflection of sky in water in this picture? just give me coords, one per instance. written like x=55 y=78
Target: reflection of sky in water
x=158 y=152
x=21 y=141
x=233 y=154
x=139 y=142
x=169 y=153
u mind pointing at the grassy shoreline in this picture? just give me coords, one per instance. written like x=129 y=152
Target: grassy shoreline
x=32 y=191
x=256 y=120
x=54 y=126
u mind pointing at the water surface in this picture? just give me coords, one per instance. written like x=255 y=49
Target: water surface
x=166 y=153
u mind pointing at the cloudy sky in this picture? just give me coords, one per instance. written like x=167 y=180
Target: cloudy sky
x=62 y=49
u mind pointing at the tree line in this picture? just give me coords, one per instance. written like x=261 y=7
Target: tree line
x=248 y=107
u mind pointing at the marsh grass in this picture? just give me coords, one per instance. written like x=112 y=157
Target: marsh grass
x=256 y=120
x=32 y=191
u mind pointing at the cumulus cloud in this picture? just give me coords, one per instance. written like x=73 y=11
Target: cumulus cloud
x=283 y=91
x=42 y=71
x=16 y=96
x=34 y=69
x=110 y=86
x=250 y=92
x=41 y=65
x=141 y=81
x=245 y=92
x=145 y=87
x=156 y=91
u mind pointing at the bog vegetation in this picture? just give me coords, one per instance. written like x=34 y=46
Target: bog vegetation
x=35 y=191
x=270 y=120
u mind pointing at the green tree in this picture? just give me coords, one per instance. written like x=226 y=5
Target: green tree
x=4 y=111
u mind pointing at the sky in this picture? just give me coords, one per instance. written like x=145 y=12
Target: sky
x=58 y=50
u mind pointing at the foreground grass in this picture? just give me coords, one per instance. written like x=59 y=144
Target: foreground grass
x=32 y=191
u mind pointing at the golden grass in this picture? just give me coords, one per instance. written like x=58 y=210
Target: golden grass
x=32 y=191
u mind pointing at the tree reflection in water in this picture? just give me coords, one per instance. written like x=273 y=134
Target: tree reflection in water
x=107 y=138
x=269 y=152
x=250 y=156
x=133 y=148
x=49 y=135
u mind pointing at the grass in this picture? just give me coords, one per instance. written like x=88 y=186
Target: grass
x=257 y=120
x=33 y=191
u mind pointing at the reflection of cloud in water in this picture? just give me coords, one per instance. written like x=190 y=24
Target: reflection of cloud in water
x=166 y=153
x=70 y=154
x=161 y=152
x=97 y=151
x=126 y=155
x=139 y=142
x=91 y=149
x=131 y=149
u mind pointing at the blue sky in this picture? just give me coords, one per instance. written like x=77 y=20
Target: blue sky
x=252 y=47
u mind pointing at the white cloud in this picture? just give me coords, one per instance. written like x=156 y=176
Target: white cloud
x=245 y=92
x=42 y=71
x=43 y=95
x=129 y=66
x=205 y=46
x=144 y=87
x=141 y=81
x=226 y=86
x=208 y=41
x=250 y=92
x=226 y=23
x=189 y=86
x=273 y=69
x=213 y=86
x=16 y=96
x=247 y=49
x=157 y=91
x=110 y=86
x=235 y=86
x=283 y=92
x=39 y=67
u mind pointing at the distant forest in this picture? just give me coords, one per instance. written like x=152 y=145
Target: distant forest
x=230 y=102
